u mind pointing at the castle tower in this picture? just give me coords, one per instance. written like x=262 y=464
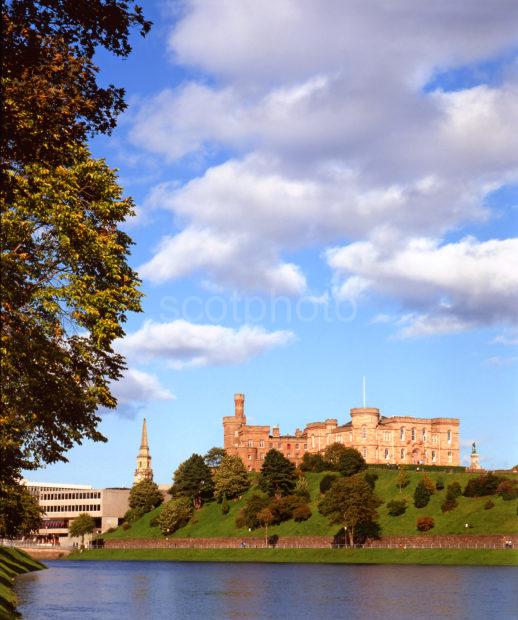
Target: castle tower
x=233 y=424
x=143 y=471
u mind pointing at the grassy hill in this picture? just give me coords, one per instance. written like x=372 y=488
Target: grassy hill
x=13 y=562
x=209 y=521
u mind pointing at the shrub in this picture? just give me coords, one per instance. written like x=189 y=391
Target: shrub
x=439 y=484
x=225 y=507
x=351 y=462
x=486 y=484
x=402 y=479
x=312 y=462
x=396 y=507
x=425 y=523
x=284 y=507
x=421 y=494
x=370 y=478
x=302 y=488
x=489 y=504
x=326 y=483
x=449 y=504
x=302 y=513
x=248 y=514
x=507 y=490
x=110 y=530
x=453 y=490
x=429 y=484
x=126 y=526
x=175 y=514
x=134 y=514
x=154 y=521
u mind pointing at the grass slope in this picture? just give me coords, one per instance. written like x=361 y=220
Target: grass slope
x=474 y=557
x=210 y=522
x=13 y=562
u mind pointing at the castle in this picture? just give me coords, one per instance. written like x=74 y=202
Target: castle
x=395 y=440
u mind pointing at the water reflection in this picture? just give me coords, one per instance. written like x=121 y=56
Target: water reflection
x=113 y=590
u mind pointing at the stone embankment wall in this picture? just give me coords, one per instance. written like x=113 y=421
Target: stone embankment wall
x=316 y=542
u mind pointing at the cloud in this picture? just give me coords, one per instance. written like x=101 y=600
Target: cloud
x=183 y=344
x=509 y=338
x=461 y=285
x=135 y=389
x=498 y=360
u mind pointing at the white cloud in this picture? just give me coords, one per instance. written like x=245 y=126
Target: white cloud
x=498 y=360
x=462 y=285
x=137 y=386
x=509 y=338
x=183 y=344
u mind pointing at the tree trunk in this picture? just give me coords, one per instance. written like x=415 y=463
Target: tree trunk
x=266 y=535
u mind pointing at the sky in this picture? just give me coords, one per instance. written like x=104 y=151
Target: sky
x=324 y=190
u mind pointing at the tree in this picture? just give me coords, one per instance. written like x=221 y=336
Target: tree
x=174 y=515
x=20 y=513
x=421 y=494
x=265 y=518
x=332 y=455
x=81 y=525
x=351 y=462
x=312 y=462
x=66 y=286
x=402 y=479
x=453 y=490
x=214 y=457
x=231 y=478
x=326 y=483
x=248 y=514
x=144 y=496
x=302 y=488
x=396 y=507
x=277 y=475
x=193 y=479
x=351 y=503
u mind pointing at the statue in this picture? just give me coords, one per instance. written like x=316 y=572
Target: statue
x=473 y=448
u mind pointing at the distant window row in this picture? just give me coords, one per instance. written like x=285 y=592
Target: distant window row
x=82 y=508
x=76 y=495
x=279 y=445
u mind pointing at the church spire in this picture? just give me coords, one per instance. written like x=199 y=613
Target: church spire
x=143 y=471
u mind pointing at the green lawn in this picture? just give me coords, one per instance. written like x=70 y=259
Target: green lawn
x=13 y=562
x=210 y=522
x=475 y=557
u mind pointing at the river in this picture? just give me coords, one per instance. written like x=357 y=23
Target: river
x=72 y=590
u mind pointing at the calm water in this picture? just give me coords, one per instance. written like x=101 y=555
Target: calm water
x=128 y=590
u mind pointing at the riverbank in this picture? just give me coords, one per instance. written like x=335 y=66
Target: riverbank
x=468 y=557
x=13 y=562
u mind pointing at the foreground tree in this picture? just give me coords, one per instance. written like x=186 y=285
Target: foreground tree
x=351 y=462
x=66 y=286
x=265 y=518
x=174 y=515
x=350 y=502
x=402 y=480
x=20 y=514
x=231 y=478
x=278 y=476
x=144 y=496
x=193 y=479
x=81 y=525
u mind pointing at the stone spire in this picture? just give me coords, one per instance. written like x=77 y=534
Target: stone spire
x=143 y=471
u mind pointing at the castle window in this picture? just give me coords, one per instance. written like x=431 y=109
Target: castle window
x=424 y=434
x=313 y=441
x=250 y=443
x=364 y=432
x=449 y=436
x=450 y=457
x=402 y=434
x=434 y=438
x=261 y=443
x=305 y=446
x=364 y=453
x=236 y=433
x=350 y=437
x=249 y=457
x=297 y=446
x=386 y=454
x=386 y=436
x=402 y=454
x=270 y=445
x=413 y=434
x=433 y=456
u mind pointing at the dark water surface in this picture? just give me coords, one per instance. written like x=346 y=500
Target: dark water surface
x=131 y=590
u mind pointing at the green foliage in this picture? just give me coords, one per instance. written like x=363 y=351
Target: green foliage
x=507 y=489
x=422 y=494
x=134 y=514
x=284 y=507
x=225 y=507
x=485 y=484
x=333 y=454
x=326 y=483
x=81 y=525
x=396 y=507
x=174 y=515
x=126 y=526
x=302 y=488
x=350 y=502
x=144 y=496
x=449 y=504
x=20 y=514
x=278 y=476
x=312 y=462
x=429 y=484
x=453 y=490
x=214 y=457
x=439 y=484
x=489 y=504
x=402 y=479
x=370 y=478
x=66 y=285
x=302 y=513
x=231 y=478
x=351 y=462
x=248 y=514
x=424 y=524
x=193 y=479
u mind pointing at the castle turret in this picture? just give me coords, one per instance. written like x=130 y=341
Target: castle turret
x=143 y=471
x=233 y=424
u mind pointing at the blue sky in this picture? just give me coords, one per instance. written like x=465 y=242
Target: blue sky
x=321 y=195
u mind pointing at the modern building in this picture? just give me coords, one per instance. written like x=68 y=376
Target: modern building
x=63 y=502
x=394 y=440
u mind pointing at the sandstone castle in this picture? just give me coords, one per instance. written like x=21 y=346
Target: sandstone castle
x=396 y=440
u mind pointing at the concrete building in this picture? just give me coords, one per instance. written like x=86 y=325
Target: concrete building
x=63 y=502
x=394 y=440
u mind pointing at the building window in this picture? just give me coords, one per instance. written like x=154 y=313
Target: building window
x=449 y=436
x=364 y=432
x=313 y=441
x=402 y=434
x=435 y=439
x=402 y=454
x=413 y=434
x=386 y=436
x=450 y=457
x=249 y=457
x=270 y=445
x=364 y=453
x=386 y=454
x=297 y=446
x=424 y=434
x=350 y=437
x=433 y=456
x=250 y=443
x=236 y=433
x=261 y=443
